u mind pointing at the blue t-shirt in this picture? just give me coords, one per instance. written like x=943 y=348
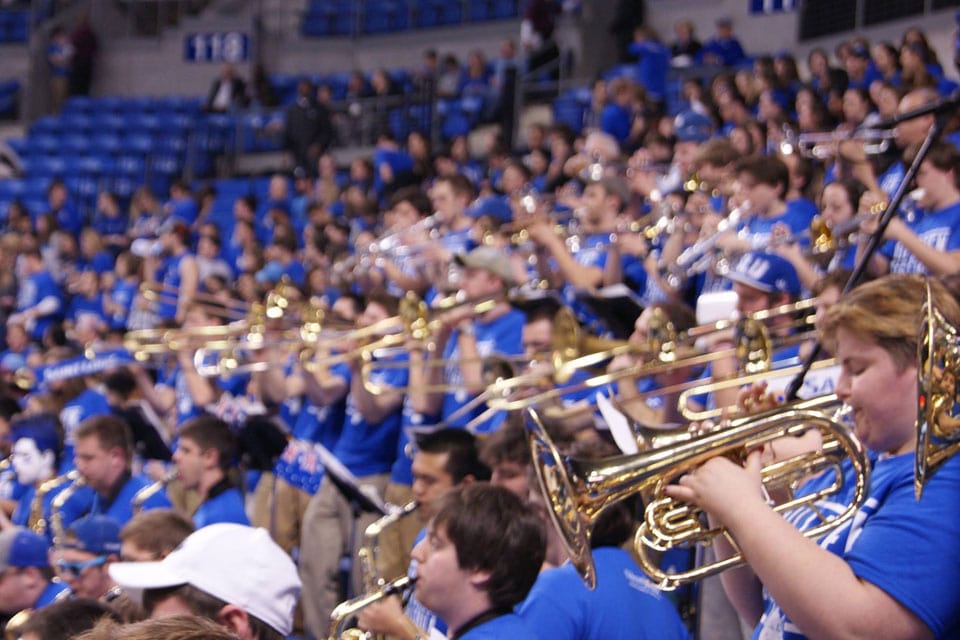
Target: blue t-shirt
x=121 y=508
x=907 y=548
x=939 y=229
x=507 y=626
x=501 y=336
x=35 y=288
x=169 y=276
x=122 y=294
x=225 y=506
x=367 y=449
x=561 y=607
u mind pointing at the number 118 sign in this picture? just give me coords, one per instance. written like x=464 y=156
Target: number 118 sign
x=223 y=46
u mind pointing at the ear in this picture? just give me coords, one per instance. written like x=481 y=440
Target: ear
x=49 y=458
x=235 y=619
x=211 y=458
x=478 y=579
x=468 y=479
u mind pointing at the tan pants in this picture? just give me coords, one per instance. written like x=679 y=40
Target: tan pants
x=329 y=532
x=279 y=507
x=396 y=541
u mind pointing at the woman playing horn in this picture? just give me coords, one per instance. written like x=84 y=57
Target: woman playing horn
x=894 y=569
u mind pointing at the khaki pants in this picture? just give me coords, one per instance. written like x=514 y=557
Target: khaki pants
x=329 y=532
x=279 y=507
x=396 y=541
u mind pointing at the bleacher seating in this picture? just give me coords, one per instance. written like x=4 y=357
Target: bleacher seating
x=14 y=26
x=117 y=144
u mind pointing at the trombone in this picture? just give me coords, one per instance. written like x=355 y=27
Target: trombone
x=414 y=321
x=578 y=491
x=753 y=348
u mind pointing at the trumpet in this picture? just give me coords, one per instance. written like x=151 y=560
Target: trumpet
x=698 y=256
x=938 y=429
x=578 y=491
x=822 y=145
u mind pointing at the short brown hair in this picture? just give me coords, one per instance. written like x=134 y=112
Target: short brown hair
x=206 y=606
x=158 y=531
x=110 y=432
x=493 y=531
x=210 y=432
x=178 y=627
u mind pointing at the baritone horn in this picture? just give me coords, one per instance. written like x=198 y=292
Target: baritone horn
x=938 y=413
x=578 y=491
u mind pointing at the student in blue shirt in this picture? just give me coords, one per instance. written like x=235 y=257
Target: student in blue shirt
x=888 y=572
x=561 y=607
x=206 y=450
x=39 y=299
x=931 y=242
x=467 y=337
x=482 y=553
x=367 y=447
x=103 y=456
x=26 y=581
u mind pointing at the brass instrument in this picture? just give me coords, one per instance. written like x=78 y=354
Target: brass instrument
x=821 y=145
x=938 y=430
x=752 y=349
x=578 y=491
x=374 y=585
x=152 y=489
x=57 y=527
x=345 y=611
x=37 y=520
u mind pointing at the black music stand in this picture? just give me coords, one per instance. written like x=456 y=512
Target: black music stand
x=361 y=499
x=617 y=307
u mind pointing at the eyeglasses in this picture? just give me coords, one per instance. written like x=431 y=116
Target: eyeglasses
x=74 y=569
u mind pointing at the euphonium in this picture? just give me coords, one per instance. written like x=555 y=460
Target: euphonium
x=578 y=491
x=141 y=496
x=938 y=429
x=57 y=527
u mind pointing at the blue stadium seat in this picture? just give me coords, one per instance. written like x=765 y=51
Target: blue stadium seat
x=35 y=187
x=143 y=122
x=76 y=143
x=106 y=142
x=385 y=15
x=76 y=105
x=505 y=9
x=97 y=165
x=44 y=144
x=108 y=122
x=19 y=145
x=130 y=165
x=479 y=10
x=49 y=125
x=76 y=123
x=139 y=143
x=11 y=189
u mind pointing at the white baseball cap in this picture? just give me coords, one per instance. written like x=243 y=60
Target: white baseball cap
x=238 y=564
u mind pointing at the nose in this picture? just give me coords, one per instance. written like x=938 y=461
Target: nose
x=419 y=551
x=843 y=386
